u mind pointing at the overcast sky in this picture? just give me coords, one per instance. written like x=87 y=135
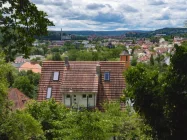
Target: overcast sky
x=114 y=14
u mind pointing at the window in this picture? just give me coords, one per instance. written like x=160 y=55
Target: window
x=107 y=76
x=84 y=96
x=67 y=96
x=90 y=96
x=49 y=91
x=56 y=76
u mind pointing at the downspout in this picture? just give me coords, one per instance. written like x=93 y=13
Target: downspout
x=87 y=101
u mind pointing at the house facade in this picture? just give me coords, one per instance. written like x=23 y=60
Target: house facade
x=83 y=83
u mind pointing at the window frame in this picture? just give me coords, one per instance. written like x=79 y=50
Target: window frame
x=90 y=96
x=47 y=95
x=84 y=95
x=68 y=96
x=107 y=79
x=54 y=78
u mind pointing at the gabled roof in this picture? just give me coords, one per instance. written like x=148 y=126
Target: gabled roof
x=46 y=79
x=18 y=98
x=83 y=77
x=80 y=77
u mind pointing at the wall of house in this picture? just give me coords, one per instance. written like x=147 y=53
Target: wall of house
x=80 y=100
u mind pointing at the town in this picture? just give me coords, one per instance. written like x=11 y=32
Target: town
x=87 y=71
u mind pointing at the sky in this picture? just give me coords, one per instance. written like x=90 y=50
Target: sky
x=104 y=15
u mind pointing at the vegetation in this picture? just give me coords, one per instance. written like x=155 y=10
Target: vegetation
x=159 y=95
x=19 y=23
x=4 y=70
x=27 y=82
x=60 y=122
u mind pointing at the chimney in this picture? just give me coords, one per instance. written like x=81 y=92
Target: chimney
x=125 y=56
x=67 y=62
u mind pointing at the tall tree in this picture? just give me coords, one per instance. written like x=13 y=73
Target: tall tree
x=19 y=23
x=4 y=70
x=160 y=95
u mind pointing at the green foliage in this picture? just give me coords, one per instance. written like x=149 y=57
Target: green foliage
x=20 y=22
x=4 y=71
x=101 y=54
x=20 y=126
x=152 y=60
x=160 y=95
x=134 y=61
x=60 y=122
x=27 y=82
x=56 y=56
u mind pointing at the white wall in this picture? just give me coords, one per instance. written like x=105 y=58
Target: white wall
x=79 y=101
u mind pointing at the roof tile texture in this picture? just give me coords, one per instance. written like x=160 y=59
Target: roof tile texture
x=83 y=77
x=18 y=98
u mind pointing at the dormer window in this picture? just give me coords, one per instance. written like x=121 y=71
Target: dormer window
x=56 y=76
x=49 y=92
x=107 y=76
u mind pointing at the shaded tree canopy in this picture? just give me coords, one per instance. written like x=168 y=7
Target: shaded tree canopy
x=19 y=23
x=160 y=95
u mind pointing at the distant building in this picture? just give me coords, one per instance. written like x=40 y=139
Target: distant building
x=160 y=35
x=64 y=36
x=18 y=62
x=179 y=40
x=36 y=68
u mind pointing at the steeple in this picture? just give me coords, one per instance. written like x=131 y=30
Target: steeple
x=61 y=35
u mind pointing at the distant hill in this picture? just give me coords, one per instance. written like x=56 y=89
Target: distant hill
x=56 y=35
x=171 y=31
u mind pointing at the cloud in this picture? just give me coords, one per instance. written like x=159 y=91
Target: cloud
x=128 y=8
x=94 y=6
x=108 y=17
x=157 y=2
x=37 y=1
x=114 y=14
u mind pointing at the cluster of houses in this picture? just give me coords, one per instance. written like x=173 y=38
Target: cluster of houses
x=80 y=84
x=22 y=64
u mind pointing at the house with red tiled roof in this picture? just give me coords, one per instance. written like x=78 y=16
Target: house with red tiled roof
x=36 y=68
x=18 y=98
x=83 y=83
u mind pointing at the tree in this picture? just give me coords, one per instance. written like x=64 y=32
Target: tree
x=134 y=61
x=20 y=126
x=56 y=56
x=160 y=95
x=23 y=84
x=4 y=70
x=27 y=82
x=60 y=122
x=152 y=60
x=20 y=22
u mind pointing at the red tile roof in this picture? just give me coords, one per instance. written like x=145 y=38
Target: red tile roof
x=82 y=77
x=46 y=79
x=18 y=98
x=30 y=66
